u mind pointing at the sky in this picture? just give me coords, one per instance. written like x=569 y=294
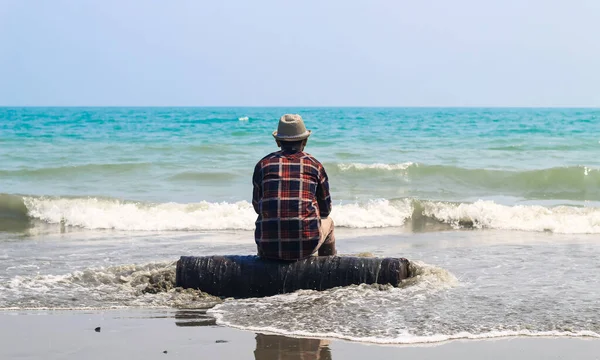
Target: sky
x=537 y=53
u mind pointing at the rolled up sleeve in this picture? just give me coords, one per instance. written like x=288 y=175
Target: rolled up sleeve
x=323 y=195
x=257 y=188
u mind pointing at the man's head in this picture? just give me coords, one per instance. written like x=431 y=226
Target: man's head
x=291 y=134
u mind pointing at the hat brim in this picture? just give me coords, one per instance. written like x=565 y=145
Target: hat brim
x=303 y=136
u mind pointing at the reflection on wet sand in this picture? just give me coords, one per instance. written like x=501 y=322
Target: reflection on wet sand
x=276 y=347
x=268 y=347
x=194 y=318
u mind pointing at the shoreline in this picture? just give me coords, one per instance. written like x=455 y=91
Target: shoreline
x=148 y=333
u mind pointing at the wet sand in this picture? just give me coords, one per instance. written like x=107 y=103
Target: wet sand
x=162 y=334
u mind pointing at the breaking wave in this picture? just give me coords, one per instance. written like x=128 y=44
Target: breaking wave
x=106 y=213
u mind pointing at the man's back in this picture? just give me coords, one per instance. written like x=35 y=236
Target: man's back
x=291 y=195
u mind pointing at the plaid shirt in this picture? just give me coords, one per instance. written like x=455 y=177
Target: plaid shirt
x=291 y=195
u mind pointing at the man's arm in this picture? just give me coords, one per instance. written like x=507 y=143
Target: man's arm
x=323 y=196
x=257 y=187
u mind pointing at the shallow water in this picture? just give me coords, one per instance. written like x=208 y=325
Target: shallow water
x=471 y=284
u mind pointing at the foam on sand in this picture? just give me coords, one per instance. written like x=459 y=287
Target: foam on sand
x=123 y=286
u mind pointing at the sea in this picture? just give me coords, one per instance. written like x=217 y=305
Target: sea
x=498 y=210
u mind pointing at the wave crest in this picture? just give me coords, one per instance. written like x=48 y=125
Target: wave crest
x=377 y=166
x=95 y=213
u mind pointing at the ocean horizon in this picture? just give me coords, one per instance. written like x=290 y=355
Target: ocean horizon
x=468 y=107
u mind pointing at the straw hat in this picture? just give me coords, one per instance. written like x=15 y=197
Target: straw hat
x=291 y=128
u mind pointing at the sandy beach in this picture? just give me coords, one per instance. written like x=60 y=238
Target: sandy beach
x=162 y=334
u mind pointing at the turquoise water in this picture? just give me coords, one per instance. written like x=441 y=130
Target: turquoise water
x=497 y=209
x=384 y=163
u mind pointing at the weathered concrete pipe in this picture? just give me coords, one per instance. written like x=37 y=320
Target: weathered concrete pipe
x=251 y=276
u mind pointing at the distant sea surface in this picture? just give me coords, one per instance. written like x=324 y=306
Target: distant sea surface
x=128 y=188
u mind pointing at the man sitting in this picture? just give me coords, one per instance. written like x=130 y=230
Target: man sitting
x=291 y=198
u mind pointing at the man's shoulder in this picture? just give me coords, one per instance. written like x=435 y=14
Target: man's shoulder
x=309 y=157
x=270 y=156
x=304 y=157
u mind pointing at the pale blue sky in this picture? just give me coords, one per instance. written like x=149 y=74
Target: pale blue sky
x=312 y=53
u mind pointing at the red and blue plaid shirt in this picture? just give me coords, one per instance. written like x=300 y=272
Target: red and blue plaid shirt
x=291 y=195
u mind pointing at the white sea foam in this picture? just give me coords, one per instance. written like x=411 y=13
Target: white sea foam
x=92 y=213
x=406 y=337
x=489 y=215
x=104 y=287
x=384 y=315
x=372 y=314
x=373 y=214
x=359 y=304
x=588 y=170
x=380 y=166
x=243 y=118
x=427 y=279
